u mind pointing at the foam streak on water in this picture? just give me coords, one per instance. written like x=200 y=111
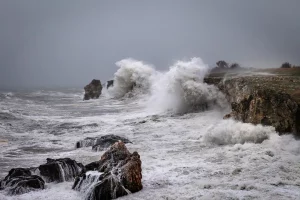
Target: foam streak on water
x=185 y=155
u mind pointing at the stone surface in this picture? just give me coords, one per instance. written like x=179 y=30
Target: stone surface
x=110 y=83
x=60 y=170
x=256 y=100
x=20 y=181
x=118 y=173
x=101 y=143
x=93 y=90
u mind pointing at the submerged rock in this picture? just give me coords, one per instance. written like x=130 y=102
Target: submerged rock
x=101 y=143
x=20 y=181
x=93 y=90
x=60 y=170
x=118 y=173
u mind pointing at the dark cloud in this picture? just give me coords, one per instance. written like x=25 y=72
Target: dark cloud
x=67 y=43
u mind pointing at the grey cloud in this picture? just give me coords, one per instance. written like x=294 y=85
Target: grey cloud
x=67 y=43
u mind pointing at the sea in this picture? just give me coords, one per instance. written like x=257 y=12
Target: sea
x=174 y=121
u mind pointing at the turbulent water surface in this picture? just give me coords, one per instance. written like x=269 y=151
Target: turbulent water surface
x=174 y=121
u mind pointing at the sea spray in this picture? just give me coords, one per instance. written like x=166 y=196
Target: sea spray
x=181 y=89
x=131 y=73
x=233 y=132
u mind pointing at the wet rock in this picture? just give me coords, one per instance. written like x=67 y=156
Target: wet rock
x=93 y=90
x=237 y=171
x=60 y=170
x=118 y=173
x=110 y=83
x=270 y=153
x=20 y=181
x=101 y=143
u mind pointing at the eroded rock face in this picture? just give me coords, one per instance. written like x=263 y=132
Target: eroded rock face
x=255 y=103
x=60 y=170
x=116 y=174
x=20 y=181
x=93 y=90
x=101 y=143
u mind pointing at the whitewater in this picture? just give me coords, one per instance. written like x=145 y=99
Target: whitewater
x=174 y=121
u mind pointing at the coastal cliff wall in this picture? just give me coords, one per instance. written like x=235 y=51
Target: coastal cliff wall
x=266 y=100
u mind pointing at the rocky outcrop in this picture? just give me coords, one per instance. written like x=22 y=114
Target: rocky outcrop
x=20 y=181
x=100 y=143
x=60 y=170
x=256 y=100
x=93 y=90
x=116 y=174
x=109 y=83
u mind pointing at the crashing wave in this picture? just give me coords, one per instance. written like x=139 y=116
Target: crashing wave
x=233 y=132
x=181 y=89
x=132 y=74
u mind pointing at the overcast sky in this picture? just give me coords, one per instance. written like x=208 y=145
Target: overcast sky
x=69 y=42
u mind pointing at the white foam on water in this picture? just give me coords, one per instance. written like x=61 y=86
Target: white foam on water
x=196 y=155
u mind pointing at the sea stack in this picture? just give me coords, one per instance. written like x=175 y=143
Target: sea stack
x=93 y=90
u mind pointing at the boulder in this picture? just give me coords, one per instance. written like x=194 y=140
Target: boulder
x=101 y=143
x=60 y=170
x=20 y=181
x=116 y=174
x=109 y=83
x=93 y=90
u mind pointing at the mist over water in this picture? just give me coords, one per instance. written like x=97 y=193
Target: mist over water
x=174 y=121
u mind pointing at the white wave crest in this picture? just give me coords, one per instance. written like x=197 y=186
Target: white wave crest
x=131 y=74
x=181 y=89
x=233 y=132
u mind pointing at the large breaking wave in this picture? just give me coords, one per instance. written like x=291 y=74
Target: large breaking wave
x=132 y=74
x=180 y=89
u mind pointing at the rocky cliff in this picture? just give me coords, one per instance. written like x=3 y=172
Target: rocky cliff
x=269 y=100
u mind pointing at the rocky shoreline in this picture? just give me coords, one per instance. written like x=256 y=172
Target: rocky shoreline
x=268 y=100
x=116 y=174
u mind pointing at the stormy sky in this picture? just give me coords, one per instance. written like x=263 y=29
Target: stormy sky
x=66 y=43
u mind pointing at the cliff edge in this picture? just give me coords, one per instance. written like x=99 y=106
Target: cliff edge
x=267 y=97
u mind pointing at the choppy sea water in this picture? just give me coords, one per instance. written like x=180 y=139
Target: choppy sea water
x=185 y=155
x=181 y=159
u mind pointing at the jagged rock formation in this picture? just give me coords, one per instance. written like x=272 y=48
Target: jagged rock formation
x=93 y=90
x=116 y=174
x=266 y=100
x=101 y=143
x=109 y=83
x=60 y=170
x=20 y=181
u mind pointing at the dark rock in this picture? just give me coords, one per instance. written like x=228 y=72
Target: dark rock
x=100 y=143
x=118 y=174
x=93 y=90
x=20 y=181
x=60 y=170
x=109 y=83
